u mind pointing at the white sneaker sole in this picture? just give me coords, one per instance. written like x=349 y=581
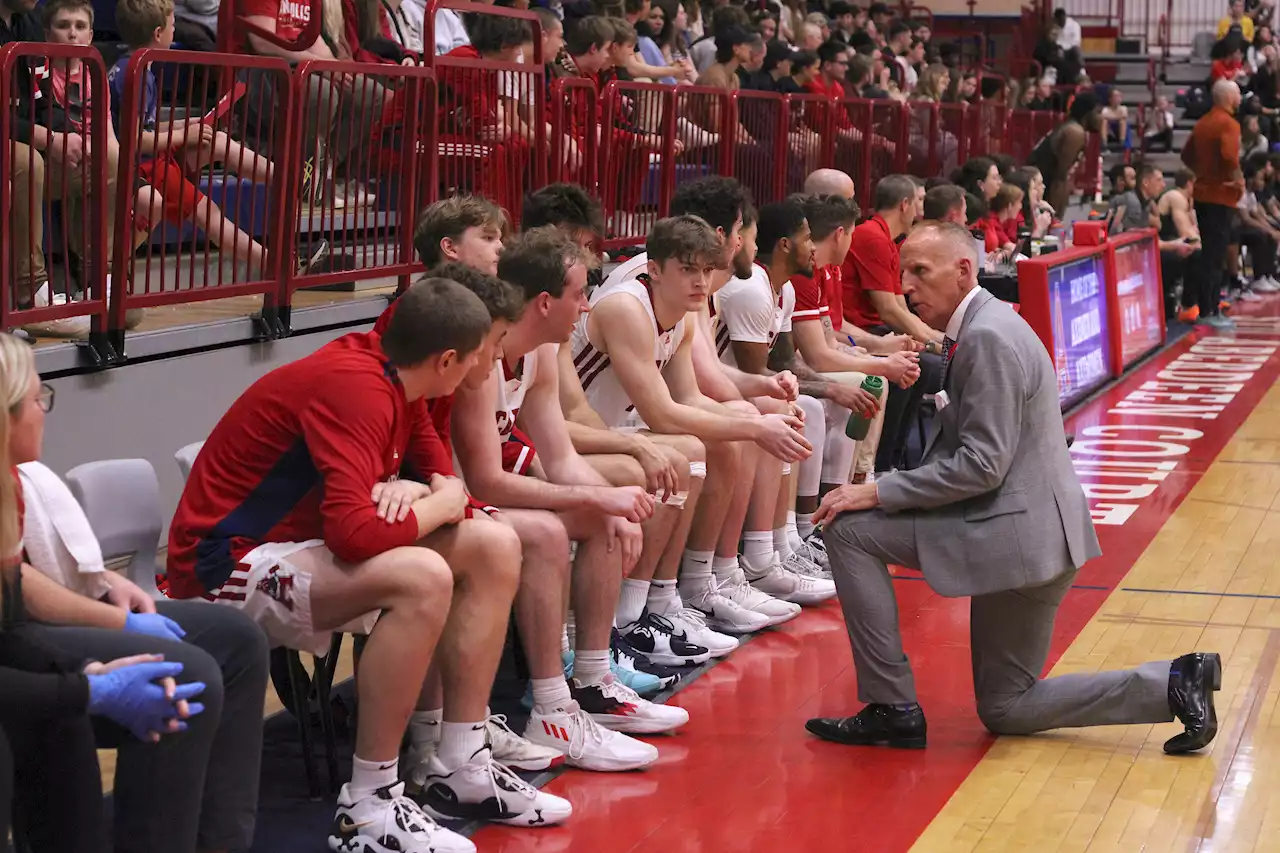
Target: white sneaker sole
x=675 y=660
x=366 y=843
x=550 y=815
x=531 y=765
x=607 y=763
x=639 y=725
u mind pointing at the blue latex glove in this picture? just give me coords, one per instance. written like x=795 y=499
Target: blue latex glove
x=128 y=696
x=154 y=625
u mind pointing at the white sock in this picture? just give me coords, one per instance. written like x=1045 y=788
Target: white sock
x=791 y=520
x=631 y=602
x=424 y=728
x=368 y=776
x=565 y=648
x=552 y=693
x=663 y=597
x=782 y=543
x=804 y=524
x=725 y=567
x=460 y=741
x=696 y=564
x=757 y=547
x=589 y=667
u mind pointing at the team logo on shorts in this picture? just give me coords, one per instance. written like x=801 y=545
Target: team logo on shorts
x=279 y=587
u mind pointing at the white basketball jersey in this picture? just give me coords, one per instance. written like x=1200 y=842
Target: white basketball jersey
x=595 y=369
x=748 y=310
x=512 y=385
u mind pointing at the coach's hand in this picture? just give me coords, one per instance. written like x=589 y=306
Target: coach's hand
x=851 y=498
x=660 y=477
x=630 y=502
x=781 y=436
x=395 y=498
x=627 y=536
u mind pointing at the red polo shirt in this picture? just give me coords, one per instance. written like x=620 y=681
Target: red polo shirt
x=872 y=264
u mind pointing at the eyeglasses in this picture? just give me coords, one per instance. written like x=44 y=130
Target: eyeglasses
x=45 y=398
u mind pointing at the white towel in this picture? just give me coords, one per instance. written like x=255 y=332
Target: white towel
x=56 y=534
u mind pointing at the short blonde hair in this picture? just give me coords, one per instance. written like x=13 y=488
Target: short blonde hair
x=138 y=20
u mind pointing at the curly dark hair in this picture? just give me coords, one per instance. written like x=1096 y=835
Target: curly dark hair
x=718 y=200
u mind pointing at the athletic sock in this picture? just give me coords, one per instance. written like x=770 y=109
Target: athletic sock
x=589 y=667
x=565 y=647
x=782 y=543
x=631 y=602
x=758 y=547
x=804 y=524
x=663 y=597
x=368 y=776
x=552 y=693
x=460 y=741
x=725 y=567
x=696 y=564
x=424 y=728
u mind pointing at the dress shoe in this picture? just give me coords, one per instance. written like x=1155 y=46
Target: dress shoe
x=1192 y=681
x=874 y=725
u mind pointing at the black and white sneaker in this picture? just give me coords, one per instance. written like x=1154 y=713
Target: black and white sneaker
x=389 y=822
x=483 y=789
x=627 y=656
x=658 y=640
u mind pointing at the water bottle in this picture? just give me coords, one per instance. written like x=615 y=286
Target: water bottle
x=857 y=425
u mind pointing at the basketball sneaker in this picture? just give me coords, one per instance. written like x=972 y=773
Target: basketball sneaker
x=655 y=637
x=615 y=706
x=785 y=585
x=814 y=550
x=746 y=596
x=508 y=747
x=588 y=745
x=389 y=822
x=627 y=658
x=723 y=614
x=483 y=789
x=691 y=625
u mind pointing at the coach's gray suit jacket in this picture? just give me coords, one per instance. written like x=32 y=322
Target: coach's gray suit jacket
x=1002 y=507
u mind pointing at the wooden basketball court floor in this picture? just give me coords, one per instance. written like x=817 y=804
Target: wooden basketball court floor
x=1181 y=460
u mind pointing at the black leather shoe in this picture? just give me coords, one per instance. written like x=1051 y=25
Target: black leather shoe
x=874 y=725
x=1192 y=681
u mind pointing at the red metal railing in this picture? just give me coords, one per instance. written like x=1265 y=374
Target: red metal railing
x=226 y=200
x=54 y=154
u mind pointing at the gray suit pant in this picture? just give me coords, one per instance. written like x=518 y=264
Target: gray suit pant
x=1009 y=635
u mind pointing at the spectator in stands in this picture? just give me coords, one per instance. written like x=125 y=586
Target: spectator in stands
x=1058 y=154
x=45 y=139
x=167 y=154
x=964 y=85
x=451 y=31
x=338 y=105
x=804 y=70
x=1070 y=40
x=734 y=48
x=898 y=43
x=674 y=38
x=404 y=26
x=1213 y=153
x=1228 y=61
x=196 y=24
x=1251 y=139
x=946 y=203
x=1237 y=20
x=207 y=778
x=1159 y=130
x=880 y=16
x=873 y=300
x=778 y=59
x=703 y=51
x=810 y=36
x=1115 y=120
x=751 y=74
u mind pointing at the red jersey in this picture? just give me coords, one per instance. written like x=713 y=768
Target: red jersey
x=872 y=264
x=440 y=408
x=296 y=458
x=811 y=298
x=291 y=17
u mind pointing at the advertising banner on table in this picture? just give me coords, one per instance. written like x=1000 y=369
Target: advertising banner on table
x=1064 y=298
x=1137 y=302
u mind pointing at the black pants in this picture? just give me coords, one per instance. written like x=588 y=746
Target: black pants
x=1175 y=270
x=1262 y=249
x=51 y=780
x=902 y=409
x=1205 y=288
x=197 y=790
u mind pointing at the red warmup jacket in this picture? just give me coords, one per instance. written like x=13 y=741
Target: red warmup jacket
x=296 y=458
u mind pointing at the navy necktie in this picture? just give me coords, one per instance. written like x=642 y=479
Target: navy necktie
x=948 y=347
